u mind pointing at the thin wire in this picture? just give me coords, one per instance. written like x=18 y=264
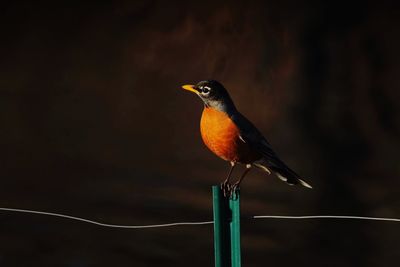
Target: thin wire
x=194 y=223
x=325 y=217
x=106 y=224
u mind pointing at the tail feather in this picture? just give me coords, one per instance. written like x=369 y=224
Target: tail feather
x=283 y=172
x=261 y=166
x=294 y=181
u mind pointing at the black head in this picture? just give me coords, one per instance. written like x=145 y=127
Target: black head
x=213 y=94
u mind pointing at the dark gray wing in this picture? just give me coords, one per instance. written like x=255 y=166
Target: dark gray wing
x=252 y=136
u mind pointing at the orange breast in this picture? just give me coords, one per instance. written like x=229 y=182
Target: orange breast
x=221 y=136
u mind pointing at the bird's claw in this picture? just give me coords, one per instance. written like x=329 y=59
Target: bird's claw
x=229 y=190
x=234 y=190
x=235 y=187
x=226 y=188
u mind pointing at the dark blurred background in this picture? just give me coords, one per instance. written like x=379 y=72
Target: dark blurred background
x=94 y=124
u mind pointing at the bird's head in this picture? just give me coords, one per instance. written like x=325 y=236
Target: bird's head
x=213 y=94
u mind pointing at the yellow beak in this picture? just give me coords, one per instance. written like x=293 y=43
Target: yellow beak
x=190 y=88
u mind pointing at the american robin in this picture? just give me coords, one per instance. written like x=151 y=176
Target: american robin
x=232 y=137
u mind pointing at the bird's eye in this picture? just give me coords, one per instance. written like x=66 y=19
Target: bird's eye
x=205 y=90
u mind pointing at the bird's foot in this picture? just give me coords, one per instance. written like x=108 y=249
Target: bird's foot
x=235 y=187
x=226 y=188
x=234 y=190
x=230 y=190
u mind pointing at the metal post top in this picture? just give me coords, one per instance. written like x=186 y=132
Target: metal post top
x=226 y=228
x=217 y=191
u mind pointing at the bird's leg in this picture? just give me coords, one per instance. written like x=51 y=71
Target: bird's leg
x=236 y=185
x=225 y=186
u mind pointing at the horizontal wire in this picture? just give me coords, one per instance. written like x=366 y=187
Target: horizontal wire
x=106 y=224
x=195 y=223
x=325 y=217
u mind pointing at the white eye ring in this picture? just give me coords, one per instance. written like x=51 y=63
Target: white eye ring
x=205 y=90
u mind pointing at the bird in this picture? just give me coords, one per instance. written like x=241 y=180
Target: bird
x=232 y=137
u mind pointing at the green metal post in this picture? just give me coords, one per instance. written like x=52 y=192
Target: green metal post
x=226 y=229
x=221 y=228
x=234 y=204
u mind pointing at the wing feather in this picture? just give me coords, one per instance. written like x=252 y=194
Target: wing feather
x=252 y=136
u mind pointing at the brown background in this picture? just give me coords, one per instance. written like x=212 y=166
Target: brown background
x=94 y=124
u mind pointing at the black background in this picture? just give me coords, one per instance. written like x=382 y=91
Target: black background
x=94 y=124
